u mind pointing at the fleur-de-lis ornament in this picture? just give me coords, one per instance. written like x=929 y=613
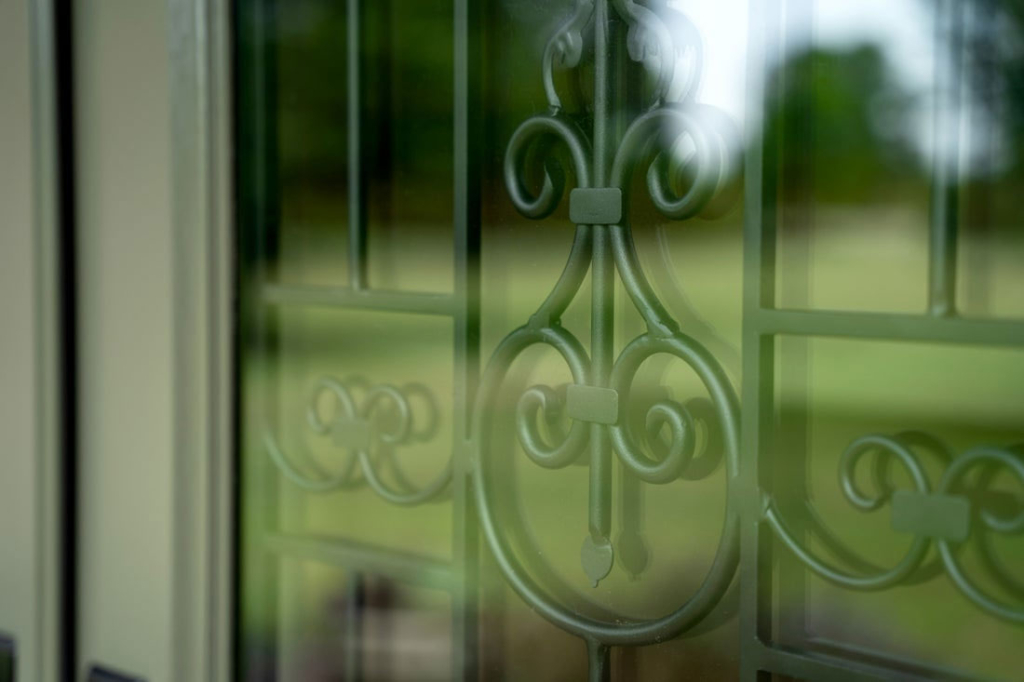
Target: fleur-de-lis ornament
x=685 y=143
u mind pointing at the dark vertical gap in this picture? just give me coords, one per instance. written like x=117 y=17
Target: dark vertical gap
x=355 y=607
x=67 y=341
x=357 y=195
x=377 y=155
x=257 y=217
x=8 y=658
x=490 y=73
x=237 y=41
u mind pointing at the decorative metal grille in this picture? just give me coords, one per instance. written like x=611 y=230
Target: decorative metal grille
x=603 y=164
x=946 y=513
x=630 y=124
x=369 y=440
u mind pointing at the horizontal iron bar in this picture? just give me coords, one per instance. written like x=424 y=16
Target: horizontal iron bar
x=816 y=666
x=344 y=297
x=889 y=326
x=354 y=556
x=904 y=667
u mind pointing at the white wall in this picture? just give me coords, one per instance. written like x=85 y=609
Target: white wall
x=153 y=315
x=125 y=298
x=18 y=473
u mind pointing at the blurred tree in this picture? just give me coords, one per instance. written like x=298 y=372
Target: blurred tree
x=840 y=122
x=995 y=79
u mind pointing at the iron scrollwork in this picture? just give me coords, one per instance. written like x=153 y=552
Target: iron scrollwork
x=603 y=245
x=946 y=515
x=369 y=432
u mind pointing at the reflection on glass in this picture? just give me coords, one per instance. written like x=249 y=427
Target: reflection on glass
x=630 y=339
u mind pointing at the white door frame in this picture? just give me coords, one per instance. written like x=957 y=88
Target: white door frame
x=204 y=314
x=201 y=360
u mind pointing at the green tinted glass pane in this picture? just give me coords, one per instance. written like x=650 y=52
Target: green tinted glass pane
x=630 y=339
x=939 y=416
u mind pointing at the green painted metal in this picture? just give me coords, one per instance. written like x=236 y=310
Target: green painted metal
x=591 y=404
x=933 y=512
x=607 y=145
x=937 y=516
x=604 y=159
x=359 y=430
x=595 y=206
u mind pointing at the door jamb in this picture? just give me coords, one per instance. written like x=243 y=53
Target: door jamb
x=204 y=355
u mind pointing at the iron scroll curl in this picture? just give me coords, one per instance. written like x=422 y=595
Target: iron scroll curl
x=884 y=447
x=990 y=460
x=980 y=521
x=363 y=459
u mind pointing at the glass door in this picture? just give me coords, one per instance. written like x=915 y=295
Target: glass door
x=621 y=339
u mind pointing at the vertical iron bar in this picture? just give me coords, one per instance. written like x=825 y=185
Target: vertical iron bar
x=631 y=547
x=602 y=282
x=357 y=265
x=602 y=315
x=942 y=257
x=598 y=662
x=467 y=120
x=602 y=85
x=631 y=551
x=758 y=348
x=794 y=196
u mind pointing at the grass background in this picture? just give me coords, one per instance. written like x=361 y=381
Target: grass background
x=853 y=207
x=842 y=389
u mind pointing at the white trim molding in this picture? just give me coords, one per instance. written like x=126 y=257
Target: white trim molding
x=52 y=586
x=204 y=331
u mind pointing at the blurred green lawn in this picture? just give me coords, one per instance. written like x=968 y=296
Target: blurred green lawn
x=872 y=259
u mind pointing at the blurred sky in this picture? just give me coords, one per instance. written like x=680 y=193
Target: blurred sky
x=904 y=31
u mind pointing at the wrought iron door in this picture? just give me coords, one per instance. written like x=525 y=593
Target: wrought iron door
x=376 y=409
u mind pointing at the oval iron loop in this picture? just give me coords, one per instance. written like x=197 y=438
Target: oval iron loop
x=344 y=406
x=617 y=631
x=951 y=481
x=647 y=40
x=999 y=457
x=683 y=440
x=343 y=402
x=542 y=400
x=884 y=446
x=375 y=397
x=665 y=126
x=545 y=131
x=565 y=48
x=382 y=394
x=342 y=479
x=407 y=499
